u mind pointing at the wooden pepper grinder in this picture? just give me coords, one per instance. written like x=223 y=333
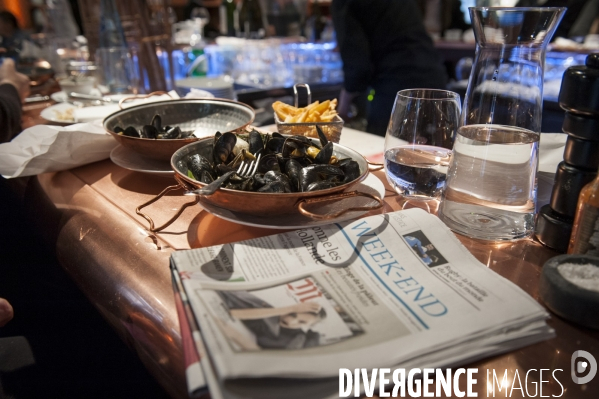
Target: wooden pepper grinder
x=579 y=97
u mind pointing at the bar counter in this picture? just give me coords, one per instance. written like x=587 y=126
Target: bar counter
x=88 y=213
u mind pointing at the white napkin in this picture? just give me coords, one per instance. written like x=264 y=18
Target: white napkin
x=43 y=148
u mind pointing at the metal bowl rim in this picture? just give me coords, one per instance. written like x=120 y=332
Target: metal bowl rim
x=237 y=104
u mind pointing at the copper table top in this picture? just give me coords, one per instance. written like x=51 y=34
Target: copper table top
x=124 y=270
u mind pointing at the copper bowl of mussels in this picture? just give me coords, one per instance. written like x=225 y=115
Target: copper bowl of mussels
x=292 y=171
x=157 y=129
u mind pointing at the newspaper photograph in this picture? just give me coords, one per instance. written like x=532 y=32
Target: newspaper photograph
x=299 y=314
x=382 y=291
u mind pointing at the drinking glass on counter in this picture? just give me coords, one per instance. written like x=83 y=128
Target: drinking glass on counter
x=117 y=70
x=419 y=139
x=491 y=185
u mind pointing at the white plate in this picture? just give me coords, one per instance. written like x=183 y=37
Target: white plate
x=59 y=96
x=131 y=160
x=371 y=185
x=63 y=97
x=59 y=113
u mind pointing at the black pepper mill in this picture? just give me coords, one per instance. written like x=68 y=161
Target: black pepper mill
x=579 y=97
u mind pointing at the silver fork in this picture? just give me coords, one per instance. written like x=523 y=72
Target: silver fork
x=246 y=169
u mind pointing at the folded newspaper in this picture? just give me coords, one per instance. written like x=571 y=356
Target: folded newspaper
x=280 y=315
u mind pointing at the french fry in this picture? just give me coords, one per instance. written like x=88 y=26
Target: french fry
x=315 y=112
x=302 y=117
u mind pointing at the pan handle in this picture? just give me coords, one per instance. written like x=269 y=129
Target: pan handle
x=374 y=166
x=351 y=194
x=137 y=97
x=180 y=185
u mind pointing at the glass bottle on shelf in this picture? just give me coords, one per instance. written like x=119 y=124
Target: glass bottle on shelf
x=585 y=233
x=251 y=25
x=229 y=18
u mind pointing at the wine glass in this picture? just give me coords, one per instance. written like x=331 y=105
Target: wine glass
x=419 y=139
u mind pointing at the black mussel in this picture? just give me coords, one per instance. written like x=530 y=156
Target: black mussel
x=293 y=168
x=323 y=138
x=275 y=144
x=351 y=169
x=118 y=129
x=148 y=132
x=269 y=162
x=274 y=187
x=223 y=147
x=157 y=122
x=131 y=132
x=324 y=155
x=321 y=185
x=295 y=147
x=259 y=179
x=206 y=177
x=255 y=141
x=222 y=168
x=197 y=164
x=273 y=175
x=315 y=173
x=182 y=166
x=173 y=133
x=185 y=134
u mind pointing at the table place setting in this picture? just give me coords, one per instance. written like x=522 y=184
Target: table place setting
x=50 y=148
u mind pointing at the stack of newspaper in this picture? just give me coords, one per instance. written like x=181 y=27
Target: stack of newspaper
x=280 y=315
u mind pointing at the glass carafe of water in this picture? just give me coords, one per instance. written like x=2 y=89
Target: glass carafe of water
x=490 y=191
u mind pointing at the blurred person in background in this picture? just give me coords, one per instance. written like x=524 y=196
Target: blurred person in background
x=12 y=39
x=14 y=88
x=442 y=15
x=574 y=22
x=384 y=47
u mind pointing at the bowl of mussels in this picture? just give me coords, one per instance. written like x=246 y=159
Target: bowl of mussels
x=291 y=170
x=157 y=129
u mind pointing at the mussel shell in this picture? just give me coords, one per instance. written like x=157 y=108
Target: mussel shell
x=351 y=169
x=275 y=144
x=295 y=144
x=269 y=162
x=222 y=168
x=148 y=132
x=131 y=132
x=197 y=164
x=206 y=177
x=223 y=147
x=315 y=173
x=255 y=141
x=157 y=122
x=324 y=156
x=172 y=133
x=293 y=168
x=321 y=185
x=274 y=187
x=323 y=138
x=185 y=134
x=118 y=129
